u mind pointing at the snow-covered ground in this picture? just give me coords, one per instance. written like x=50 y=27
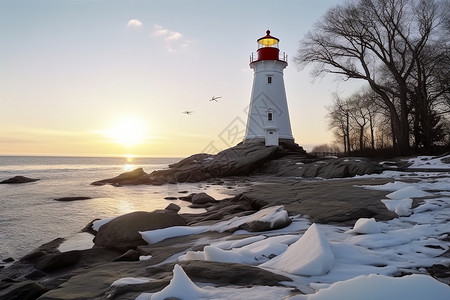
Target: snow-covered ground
x=330 y=262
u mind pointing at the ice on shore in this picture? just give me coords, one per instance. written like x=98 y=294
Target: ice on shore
x=407 y=192
x=310 y=255
x=376 y=287
x=272 y=215
x=181 y=287
x=401 y=207
x=366 y=226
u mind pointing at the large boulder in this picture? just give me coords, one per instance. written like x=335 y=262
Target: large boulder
x=122 y=233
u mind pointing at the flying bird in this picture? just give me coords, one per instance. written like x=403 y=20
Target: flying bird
x=188 y=112
x=213 y=98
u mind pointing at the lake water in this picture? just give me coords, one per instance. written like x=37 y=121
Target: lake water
x=29 y=215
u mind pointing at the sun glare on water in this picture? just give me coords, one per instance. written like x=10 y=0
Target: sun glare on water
x=129 y=131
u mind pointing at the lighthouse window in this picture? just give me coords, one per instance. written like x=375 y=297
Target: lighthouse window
x=269 y=116
x=269 y=79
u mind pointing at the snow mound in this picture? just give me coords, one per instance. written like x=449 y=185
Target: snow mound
x=407 y=192
x=181 y=286
x=376 y=287
x=310 y=255
x=365 y=225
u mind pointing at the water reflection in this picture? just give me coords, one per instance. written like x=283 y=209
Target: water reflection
x=129 y=167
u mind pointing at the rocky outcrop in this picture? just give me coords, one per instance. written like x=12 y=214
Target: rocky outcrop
x=135 y=177
x=18 y=180
x=330 y=168
x=240 y=160
x=288 y=159
x=122 y=233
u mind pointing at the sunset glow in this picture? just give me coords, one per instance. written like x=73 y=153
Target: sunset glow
x=128 y=131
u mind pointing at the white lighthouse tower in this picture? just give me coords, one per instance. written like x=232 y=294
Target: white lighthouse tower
x=268 y=116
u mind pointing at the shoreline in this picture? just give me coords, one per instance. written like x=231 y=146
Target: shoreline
x=333 y=203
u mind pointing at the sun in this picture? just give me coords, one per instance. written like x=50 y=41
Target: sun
x=128 y=131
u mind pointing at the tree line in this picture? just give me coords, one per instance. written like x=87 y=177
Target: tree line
x=401 y=50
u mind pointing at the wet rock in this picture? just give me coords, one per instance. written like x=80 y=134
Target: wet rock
x=135 y=177
x=170 y=198
x=18 y=180
x=187 y=198
x=202 y=198
x=173 y=207
x=73 y=198
x=8 y=260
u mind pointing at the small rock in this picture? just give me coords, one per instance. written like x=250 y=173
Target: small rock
x=17 y=180
x=72 y=198
x=187 y=198
x=202 y=198
x=173 y=207
x=170 y=198
x=8 y=260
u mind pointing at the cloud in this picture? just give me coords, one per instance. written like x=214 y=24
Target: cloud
x=174 y=41
x=134 y=23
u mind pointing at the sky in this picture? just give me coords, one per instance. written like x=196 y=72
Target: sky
x=98 y=77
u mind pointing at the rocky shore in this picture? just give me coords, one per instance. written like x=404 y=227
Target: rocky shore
x=287 y=160
x=273 y=187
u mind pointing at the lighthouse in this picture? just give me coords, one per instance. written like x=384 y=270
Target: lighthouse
x=268 y=115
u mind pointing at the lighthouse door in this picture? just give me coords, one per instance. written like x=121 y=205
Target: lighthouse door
x=271 y=137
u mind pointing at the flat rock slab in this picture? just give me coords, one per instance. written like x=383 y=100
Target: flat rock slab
x=326 y=201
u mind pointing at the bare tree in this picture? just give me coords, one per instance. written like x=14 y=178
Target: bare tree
x=339 y=121
x=379 y=41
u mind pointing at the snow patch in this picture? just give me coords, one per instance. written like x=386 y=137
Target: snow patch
x=365 y=225
x=180 y=286
x=376 y=287
x=407 y=192
x=130 y=280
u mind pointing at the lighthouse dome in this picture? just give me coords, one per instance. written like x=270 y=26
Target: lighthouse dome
x=268 y=41
x=268 y=49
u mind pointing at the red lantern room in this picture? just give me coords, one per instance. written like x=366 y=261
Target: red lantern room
x=268 y=49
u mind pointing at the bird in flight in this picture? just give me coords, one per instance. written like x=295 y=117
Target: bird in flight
x=213 y=98
x=188 y=112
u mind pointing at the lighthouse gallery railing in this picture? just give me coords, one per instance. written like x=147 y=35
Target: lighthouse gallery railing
x=282 y=56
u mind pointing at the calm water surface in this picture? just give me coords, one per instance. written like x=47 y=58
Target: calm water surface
x=29 y=215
